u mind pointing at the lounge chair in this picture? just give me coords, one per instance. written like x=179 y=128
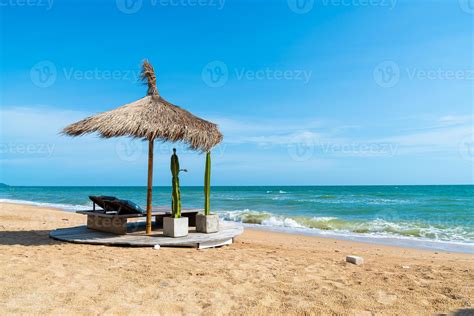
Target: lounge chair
x=123 y=207
x=115 y=213
x=112 y=205
x=102 y=202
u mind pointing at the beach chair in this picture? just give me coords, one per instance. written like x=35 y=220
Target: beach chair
x=113 y=205
x=115 y=213
x=101 y=201
x=124 y=207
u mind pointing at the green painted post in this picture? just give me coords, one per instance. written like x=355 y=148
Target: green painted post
x=176 y=195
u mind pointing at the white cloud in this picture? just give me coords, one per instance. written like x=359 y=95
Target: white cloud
x=251 y=147
x=35 y=122
x=42 y=125
x=456 y=119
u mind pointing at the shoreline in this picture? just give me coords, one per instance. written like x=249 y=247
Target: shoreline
x=261 y=273
x=399 y=242
x=387 y=240
x=264 y=230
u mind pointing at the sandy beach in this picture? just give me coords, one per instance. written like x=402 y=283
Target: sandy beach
x=262 y=273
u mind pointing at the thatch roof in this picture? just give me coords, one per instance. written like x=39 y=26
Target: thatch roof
x=151 y=117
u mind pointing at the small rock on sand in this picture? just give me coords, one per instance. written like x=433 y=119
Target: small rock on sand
x=355 y=260
x=156 y=247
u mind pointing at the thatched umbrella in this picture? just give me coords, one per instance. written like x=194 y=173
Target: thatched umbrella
x=150 y=118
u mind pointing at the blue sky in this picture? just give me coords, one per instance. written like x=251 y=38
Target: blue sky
x=306 y=92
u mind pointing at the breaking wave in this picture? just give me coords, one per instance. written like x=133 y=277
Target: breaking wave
x=375 y=227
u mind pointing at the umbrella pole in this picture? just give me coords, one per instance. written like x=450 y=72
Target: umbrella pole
x=150 y=185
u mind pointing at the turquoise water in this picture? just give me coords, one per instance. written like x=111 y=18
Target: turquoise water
x=415 y=213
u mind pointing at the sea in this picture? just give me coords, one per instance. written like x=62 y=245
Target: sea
x=437 y=217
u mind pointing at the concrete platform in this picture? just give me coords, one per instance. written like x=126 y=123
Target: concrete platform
x=81 y=234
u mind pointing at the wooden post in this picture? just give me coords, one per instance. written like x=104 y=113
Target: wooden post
x=150 y=185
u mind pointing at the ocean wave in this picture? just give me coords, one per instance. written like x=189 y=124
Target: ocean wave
x=376 y=227
x=327 y=197
x=279 y=191
x=447 y=237
x=331 y=199
x=388 y=201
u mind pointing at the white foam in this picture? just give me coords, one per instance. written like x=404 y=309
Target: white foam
x=323 y=218
x=281 y=221
x=66 y=207
x=376 y=230
x=379 y=230
x=379 y=238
